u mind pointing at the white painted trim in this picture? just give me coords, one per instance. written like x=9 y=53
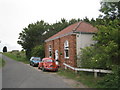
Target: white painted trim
x=89 y=70
x=59 y=36
x=66 y=44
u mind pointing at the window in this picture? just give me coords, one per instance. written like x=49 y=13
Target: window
x=56 y=55
x=66 y=49
x=50 y=51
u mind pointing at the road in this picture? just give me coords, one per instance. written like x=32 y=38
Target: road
x=0 y=74
x=18 y=75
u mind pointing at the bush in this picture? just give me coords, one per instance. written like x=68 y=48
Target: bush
x=111 y=80
x=38 y=51
x=93 y=58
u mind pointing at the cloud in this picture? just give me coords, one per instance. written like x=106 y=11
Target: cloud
x=17 y=14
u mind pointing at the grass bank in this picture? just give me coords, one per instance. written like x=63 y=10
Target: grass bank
x=18 y=56
x=84 y=77
x=2 y=62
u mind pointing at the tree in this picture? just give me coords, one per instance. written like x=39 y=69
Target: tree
x=32 y=36
x=106 y=52
x=38 y=51
x=36 y=33
x=4 y=49
x=86 y=19
x=111 y=10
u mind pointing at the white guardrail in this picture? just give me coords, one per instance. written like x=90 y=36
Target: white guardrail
x=88 y=70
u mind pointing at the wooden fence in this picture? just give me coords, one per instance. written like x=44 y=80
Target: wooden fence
x=87 y=70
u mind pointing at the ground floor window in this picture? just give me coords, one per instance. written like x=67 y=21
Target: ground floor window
x=50 y=51
x=66 y=49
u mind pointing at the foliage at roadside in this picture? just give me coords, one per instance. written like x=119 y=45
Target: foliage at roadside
x=38 y=51
x=111 y=80
x=18 y=56
x=105 y=53
x=4 y=49
x=2 y=62
x=83 y=77
x=32 y=36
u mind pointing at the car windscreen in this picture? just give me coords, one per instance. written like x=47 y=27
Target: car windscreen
x=36 y=59
x=49 y=60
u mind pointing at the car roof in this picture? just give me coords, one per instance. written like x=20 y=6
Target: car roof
x=35 y=57
x=47 y=58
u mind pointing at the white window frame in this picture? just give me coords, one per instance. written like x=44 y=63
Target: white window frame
x=56 y=55
x=66 y=47
x=50 y=50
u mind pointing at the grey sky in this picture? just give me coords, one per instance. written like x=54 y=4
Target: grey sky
x=17 y=14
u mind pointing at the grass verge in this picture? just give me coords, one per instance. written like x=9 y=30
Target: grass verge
x=18 y=56
x=2 y=62
x=86 y=78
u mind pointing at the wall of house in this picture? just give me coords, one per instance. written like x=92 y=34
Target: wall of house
x=72 y=50
x=82 y=41
x=47 y=48
x=58 y=44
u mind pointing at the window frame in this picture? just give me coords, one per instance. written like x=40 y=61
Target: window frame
x=66 y=48
x=50 y=51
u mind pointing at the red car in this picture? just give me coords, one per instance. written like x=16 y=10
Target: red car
x=48 y=64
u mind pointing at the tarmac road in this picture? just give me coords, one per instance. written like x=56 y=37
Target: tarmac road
x=18 y=75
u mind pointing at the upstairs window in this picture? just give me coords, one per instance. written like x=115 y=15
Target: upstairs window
x=66 y=49
x=50 y=51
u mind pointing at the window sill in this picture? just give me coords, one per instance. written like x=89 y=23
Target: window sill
x=66 y=57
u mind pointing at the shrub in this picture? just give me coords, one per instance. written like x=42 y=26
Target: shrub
x=111 y=80
x=38 y=51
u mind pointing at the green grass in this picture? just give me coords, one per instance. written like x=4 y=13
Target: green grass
x=2 y=62
x=86 y=78
x=18 y=56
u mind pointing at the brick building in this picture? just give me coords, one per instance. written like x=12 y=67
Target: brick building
x=66 y=44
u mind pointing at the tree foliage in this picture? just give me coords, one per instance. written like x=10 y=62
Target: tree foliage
x=32 y=36
x=4 y=49
x=36 y=33
x=38 y=51
x=105 y=53
x=111 y=10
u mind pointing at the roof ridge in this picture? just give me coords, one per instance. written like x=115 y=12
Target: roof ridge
x=75 y=29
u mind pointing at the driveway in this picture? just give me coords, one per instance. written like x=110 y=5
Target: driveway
x=18 y=75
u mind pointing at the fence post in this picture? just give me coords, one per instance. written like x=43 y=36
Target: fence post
x=76 y=71
x=65 y=67
x=95 y=74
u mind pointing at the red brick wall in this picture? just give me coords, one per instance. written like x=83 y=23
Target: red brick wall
x=47 y=48
x=58 y=44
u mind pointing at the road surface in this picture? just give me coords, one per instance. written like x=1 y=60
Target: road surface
x=18 y=75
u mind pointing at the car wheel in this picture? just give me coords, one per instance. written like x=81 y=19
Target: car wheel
x=38 y=67
x=33 y=65
x=43 y=69
x=56 y=70
x=30 y=64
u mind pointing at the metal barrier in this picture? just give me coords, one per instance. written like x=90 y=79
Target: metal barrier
x=88 y=70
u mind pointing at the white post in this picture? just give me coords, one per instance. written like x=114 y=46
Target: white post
x=75 y=71
x=65 y=67
x=95 y=74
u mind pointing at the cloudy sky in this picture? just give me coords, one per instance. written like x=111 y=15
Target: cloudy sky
x=17 y=14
